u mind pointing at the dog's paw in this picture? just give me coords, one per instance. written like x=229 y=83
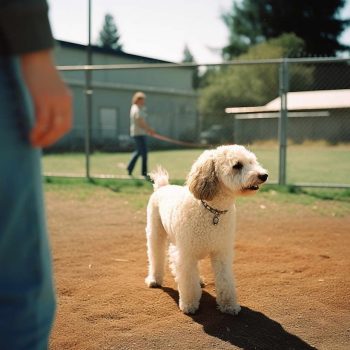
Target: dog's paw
x=152 y=283
x=202 y=282
x=230 y=309
x=188 y=308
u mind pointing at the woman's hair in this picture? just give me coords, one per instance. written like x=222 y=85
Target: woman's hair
x=137 y=96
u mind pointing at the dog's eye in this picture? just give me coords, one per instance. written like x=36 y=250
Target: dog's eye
x=238 y=166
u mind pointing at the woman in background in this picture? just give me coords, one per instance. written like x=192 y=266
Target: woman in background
x=139 y=130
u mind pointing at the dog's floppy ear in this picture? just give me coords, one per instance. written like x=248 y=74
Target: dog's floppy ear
x=202 y=180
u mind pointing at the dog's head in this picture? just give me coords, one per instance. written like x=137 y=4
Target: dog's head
x=231 y=168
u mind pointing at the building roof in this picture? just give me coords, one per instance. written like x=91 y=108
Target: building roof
x=301 y=101
x=120 y=53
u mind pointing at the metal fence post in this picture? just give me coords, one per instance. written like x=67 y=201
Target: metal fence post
x=88 y=97
x=282 y=126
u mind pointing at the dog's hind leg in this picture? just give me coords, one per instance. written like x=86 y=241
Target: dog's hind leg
x=156 y=248
x=173 y=258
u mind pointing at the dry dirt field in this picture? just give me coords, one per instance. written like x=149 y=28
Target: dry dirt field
x=292 y=266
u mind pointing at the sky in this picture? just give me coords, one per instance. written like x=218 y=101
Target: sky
x=154 y=28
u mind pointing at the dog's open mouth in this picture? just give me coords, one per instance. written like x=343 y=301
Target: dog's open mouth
x=251 y=188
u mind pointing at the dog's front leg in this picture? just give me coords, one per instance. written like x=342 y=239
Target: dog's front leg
x=225 y=285
x=187 y=276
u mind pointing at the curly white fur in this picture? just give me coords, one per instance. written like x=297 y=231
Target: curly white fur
x=177 y=217
x=160 y=178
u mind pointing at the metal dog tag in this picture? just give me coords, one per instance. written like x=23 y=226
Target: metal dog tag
x=215 y=219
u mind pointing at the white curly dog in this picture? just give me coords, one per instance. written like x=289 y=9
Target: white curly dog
x=198 y=220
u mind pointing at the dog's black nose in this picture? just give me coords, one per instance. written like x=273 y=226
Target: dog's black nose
x=263 y=177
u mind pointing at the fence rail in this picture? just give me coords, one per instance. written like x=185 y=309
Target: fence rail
x=283 y=127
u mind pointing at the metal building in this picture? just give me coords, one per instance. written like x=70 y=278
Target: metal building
x=171 y=100
x=312 y=116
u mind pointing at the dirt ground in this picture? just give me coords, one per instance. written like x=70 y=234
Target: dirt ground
x=292 y=267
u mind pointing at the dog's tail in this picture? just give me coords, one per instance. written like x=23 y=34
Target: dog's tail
x=160 y=177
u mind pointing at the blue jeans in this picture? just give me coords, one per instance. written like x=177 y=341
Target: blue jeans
x=27 y=300
x=141 y=150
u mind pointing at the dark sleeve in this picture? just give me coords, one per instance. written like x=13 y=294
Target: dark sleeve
x=24 y=26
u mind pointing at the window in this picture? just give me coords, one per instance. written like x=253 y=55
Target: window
x=108 y=123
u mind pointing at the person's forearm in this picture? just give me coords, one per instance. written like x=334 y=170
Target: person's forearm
x=142 y=124
x=42 y=59
x=51 y=98
x=37 y=68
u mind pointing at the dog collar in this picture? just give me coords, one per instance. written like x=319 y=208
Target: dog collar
x=214 y=211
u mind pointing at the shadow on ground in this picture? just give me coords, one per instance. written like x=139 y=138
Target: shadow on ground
x=250 y=330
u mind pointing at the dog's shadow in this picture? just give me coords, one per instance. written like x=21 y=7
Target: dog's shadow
x=249 y=330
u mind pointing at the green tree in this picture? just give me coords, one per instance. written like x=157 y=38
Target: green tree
x=109 y=36
x=187 y=55
x=317 y=22
x=250 y=85
x=189 y=58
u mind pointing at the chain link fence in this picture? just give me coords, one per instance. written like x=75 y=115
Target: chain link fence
x=293 y=113
x=309 y=119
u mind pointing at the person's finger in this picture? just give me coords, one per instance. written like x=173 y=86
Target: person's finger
x=58 y=126
x=52 y=124
x=42 y=123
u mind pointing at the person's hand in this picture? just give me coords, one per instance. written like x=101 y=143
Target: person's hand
x=51 y=98
x=151 y=132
